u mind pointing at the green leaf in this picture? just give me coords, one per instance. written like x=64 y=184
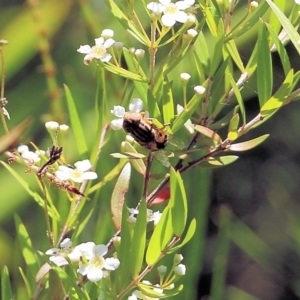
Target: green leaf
x=160 y=238
x=129 y=155
x=126 y=23
x=264 y=66
x=6 y=292
x=150 y=291
x=56 y=286
x=286 y=24
x=239 y=98
x=187 y=113
x=225 y=120
x=278 y=99
x=190 y=233
x=77 y=128
x=117 y=198
x=234 y=53
x=168 y=102
x=233 y=127
x=220 y=161
x=284 y=57
x=178 y=202
x=139 y=240
x=26 y=282
x=218 y=50
x=27 y=249
x=138 y=164
x=249 y=144
x=202 y=53
x=208 y=133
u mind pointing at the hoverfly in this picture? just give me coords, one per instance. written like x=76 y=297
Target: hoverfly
x=148 y=135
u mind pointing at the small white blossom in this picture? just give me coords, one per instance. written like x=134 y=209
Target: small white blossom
x=23 y=148
x=52 y=125
x=79 y=174
x=107 y=33
x=119 y=45
x=180 y=270
x=139 y=53
x=98 y=51
x=185 y=77
x=172 y=12
x=119 y=111
x=151 y=215
x=31 y=157
x=162 y=269
x=192 y=32
x=199 y=89
x=95 y=268
x=63 y=127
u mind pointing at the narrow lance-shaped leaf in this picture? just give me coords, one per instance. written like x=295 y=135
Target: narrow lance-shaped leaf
x=168 y=102
x=264 y=66
x=209 y=133
x=151 y=291
x=249 y=144
x=117 y=198
x=278 y=99
x=238 y=98
x=234 y=54
x=233 y=127
x=286 y=24
x=220 y=161
x=139 y=240
x=76 y=124
x=178 y=202
x=160 y=238
x=6 y=292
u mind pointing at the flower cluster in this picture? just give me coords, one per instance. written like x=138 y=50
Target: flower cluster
x=89 y=256
x=99 y=50
x=151 y=215
x=172 y=12
x=30 y=156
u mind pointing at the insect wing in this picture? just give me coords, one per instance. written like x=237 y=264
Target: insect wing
x=174 y=143
x=161 y=156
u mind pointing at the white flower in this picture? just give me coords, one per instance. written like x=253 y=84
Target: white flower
x=52 y=125
x=180 y=270
x=172 y=12
x=151 y=215
x=199 y=89
x=59 y=255
x=95 y=267
x=30 y=156
x=98 y=51
x=297 y=2
x=119 y=111
x=79 y=174
x=107 y=33
x=23 y=148
x=185 y=77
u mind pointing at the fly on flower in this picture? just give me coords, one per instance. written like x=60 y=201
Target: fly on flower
x=145 y=131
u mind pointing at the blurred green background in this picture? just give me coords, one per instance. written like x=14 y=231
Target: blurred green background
x=261 y=189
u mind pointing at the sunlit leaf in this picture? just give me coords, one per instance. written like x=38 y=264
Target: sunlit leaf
x=6 y=292
x=225 y=120
x=167 y=102
x=139 y=240
x=129 y=155
x=249 y=144
x=117 y=198
x=138 y=164
x=208 y=133
x=149 y=290
x=178 y=202
x=233 y=127
x=264 y=66
x=219 y=161
x=77 y=126
x=234 y=54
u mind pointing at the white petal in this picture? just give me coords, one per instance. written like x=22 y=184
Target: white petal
x=132 y=297
x=108 y=43
x=62 y=175
x=59 y=260
x=118 y=111
x=89 y=175
x=82 y=269
x=155 y=7
x=75 y=256
x=111 y=263
x=101 y=250
x=182 y=5
x=83 y=165
x=107 y=33
x=168 y=20
x=181 y=17
x=66 y=243
x=99 y=41
x=87 y=249
x=106 y=57
x=85 y=49
x=116 y=124
x=52 y=251
x=23 y=148
x=136 y=105
x=165 y=2
x=95 y=274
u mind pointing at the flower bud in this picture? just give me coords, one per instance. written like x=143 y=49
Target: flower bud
x=180 y=270
x=199 y=89
x=107 y=33
x=185 y=77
